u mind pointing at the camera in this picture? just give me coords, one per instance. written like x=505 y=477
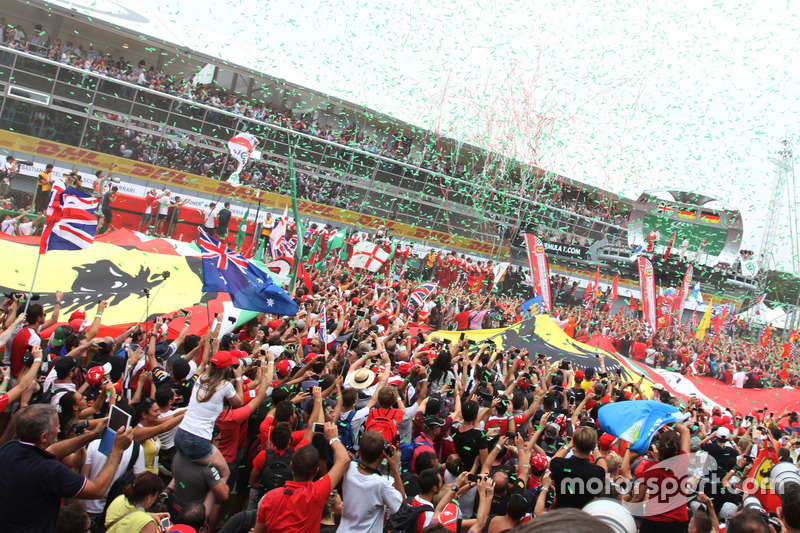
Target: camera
x=246 y=361
x=752 y=503
x=21 y=295
x=79 y=428
x=783 y=476
x=388 y=449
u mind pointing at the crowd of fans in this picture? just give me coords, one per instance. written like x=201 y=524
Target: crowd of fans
x=377 y=424
x=190 y=157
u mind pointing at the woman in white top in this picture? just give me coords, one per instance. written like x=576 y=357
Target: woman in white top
x=193 y=438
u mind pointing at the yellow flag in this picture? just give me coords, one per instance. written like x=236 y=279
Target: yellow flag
x=705 y=323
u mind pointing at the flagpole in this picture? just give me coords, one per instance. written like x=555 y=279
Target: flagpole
x=33 y=282
x=298 y=252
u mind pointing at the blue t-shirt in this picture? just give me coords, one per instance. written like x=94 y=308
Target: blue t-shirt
x=32 y=487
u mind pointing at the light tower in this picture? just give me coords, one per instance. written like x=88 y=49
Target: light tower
x=783 y=176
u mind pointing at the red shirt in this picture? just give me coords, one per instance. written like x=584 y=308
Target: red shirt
x=669 y=506
x=265 y=429
x=300 y=511
x=231 y=424
x=26 y=336
x=462 y=320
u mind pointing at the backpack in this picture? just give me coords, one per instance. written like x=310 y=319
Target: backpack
x=277 y=471
x=124 y=480
x=345 y=428
x=45 y=396
x=407 y=450
x=405 y=519
x=383 y=424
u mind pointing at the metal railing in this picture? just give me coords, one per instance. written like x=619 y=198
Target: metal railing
x=61 y=103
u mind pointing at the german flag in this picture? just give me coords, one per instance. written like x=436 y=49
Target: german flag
x=711 y=218
x=687 y=213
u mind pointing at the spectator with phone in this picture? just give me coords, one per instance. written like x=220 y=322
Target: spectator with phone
x=127 y=513
x=366 y=492
x=33 y=483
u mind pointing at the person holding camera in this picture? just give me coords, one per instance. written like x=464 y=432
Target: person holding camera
x=366 y=492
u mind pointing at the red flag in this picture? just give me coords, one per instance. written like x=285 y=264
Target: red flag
x=540 y=275
x=633 y=305
x=614 y=288
x=648 y=290
x=683 y=293
x=669 y=247
x=597 y=278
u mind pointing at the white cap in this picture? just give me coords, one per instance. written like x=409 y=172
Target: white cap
x=276 y=350
x=723 y=433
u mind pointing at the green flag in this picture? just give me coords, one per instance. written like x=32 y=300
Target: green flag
x=242 y=233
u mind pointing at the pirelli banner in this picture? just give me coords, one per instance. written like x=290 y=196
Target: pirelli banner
x=566 y=250
x=51 y=152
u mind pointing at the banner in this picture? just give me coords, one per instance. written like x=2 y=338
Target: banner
x=241 y=146
x=369 y=256
x=197 y=188
x=683 y=293
x=567 y=250
x=540 y=276
x=648 y=293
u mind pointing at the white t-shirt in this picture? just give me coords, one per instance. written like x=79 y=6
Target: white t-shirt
x=168 y=437
x=26 y=228
x=738 y=379
x=366 y=497
x=7 y=226
x=97 y=460
x=209 y=220
x=201 y=416
x=163 y=205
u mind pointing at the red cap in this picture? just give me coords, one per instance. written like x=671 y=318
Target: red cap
x=274 y=324
x=579 y=374
x=236 y=355
x=310 y=357
x=606 y=441
x=79 y=314
x=539 y=462
x=283 y=367
x=717 y=421
x=404 y=368
x=95 y=374
x=221 y=359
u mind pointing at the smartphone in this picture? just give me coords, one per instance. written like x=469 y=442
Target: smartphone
x=511 y=434
x=461 y=337
x=319 y=427
x=165 y=523
x=446 y=342
x=473 y=477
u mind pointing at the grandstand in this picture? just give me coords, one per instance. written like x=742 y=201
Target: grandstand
x=87 y=94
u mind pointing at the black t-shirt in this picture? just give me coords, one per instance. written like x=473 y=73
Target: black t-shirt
x=724 y=457
x=572 y=481
x=625 y=346
x=183 y=390
x=223 y=219
x=106 y=205
x=469 y=445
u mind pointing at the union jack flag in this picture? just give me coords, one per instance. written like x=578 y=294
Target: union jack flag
x=665 y=208
x=213 y=249
x=72 y=224
x=420 y=294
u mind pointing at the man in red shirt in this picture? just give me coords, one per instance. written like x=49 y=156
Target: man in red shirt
x=297 y=506
x=29 y=334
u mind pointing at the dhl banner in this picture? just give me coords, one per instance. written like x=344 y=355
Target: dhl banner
x=175 y=178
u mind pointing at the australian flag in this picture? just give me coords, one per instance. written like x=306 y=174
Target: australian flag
x=250 y=287
x=71 y=224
